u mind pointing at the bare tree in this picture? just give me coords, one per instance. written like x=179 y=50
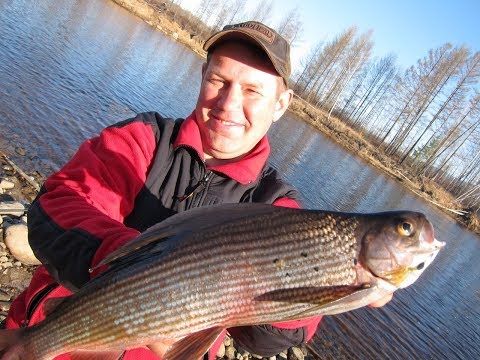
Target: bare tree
x=308 y=69
x=237 y=11
x=263 y=11
x=457 y=149
x=204 y=10
x=325 y=68
x=458 y=61
x=468 y=176
x=354 y=59
x=455 y=133
x=221 y=16
x=291 y=26
x=418 y=87
x=370 y=89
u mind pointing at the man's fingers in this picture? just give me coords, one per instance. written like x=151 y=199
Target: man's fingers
x=382 y=301
x=161 y=347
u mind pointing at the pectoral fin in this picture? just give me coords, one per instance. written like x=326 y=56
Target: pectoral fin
x=325 y=300
x=310 y=295
x=193 y=346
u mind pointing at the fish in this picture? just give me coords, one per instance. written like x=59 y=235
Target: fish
x=188 y=278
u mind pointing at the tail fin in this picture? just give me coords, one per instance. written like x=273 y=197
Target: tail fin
x=11 y=345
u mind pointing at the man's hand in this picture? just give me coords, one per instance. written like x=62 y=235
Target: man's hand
x=382 y=301
x=161 y=347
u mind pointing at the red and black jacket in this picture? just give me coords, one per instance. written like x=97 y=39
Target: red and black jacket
x=133 y=175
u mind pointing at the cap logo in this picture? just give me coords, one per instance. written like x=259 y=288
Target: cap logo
x=258 y=30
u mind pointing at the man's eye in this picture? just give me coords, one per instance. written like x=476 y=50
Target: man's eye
x=253 y=91
x=215 y=81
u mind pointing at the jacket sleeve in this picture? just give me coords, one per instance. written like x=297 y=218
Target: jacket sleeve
x=78 y=216
x=270 y=339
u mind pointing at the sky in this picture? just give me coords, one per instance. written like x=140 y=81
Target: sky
x=406 y=28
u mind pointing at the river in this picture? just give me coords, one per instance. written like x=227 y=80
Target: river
x=70 y=68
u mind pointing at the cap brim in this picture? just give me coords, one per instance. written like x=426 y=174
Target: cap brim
x=246 y=36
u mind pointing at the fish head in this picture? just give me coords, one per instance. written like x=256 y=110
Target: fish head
x=399 y=247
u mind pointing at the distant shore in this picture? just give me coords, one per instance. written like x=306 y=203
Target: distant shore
x=331 y=127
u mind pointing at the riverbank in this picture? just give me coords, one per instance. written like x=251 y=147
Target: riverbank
x=332 y=127
x=17 y=191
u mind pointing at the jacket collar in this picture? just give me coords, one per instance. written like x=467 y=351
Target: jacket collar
x=244 y=171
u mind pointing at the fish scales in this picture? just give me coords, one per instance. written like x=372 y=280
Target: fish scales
x=247 y=246
x=290 y=278
x=288 y=251
x=245 y=269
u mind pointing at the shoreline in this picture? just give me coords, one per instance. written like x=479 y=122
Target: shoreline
x=336 y=130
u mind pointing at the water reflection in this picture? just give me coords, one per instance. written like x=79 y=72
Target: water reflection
x=444 y=303
x=85 y=65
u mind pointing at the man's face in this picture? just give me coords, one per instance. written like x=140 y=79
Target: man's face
x=238 y=101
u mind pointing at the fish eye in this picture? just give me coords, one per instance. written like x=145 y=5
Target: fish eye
x=405 y=228
x=420 y=266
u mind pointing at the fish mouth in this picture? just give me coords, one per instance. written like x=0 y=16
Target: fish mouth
x=428 y=248
x=422 y=258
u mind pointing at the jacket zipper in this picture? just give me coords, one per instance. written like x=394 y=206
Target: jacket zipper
x=36 y=300
x=201 y=185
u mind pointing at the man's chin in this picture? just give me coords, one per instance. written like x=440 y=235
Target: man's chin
x=223 y=154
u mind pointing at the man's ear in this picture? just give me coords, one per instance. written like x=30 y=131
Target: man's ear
x=282 y=104
x=204 y=69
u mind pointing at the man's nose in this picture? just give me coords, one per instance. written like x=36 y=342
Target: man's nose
x=230 y=98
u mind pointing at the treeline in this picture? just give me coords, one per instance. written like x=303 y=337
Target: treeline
x=426 y=118
x=212 y=15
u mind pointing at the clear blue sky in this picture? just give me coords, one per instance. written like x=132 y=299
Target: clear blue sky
x=408 y=28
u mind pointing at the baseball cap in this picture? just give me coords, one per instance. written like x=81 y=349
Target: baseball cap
x=271 y=42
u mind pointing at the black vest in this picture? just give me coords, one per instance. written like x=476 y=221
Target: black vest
x=178 y=180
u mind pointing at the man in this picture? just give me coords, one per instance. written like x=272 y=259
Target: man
x=143 y=170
